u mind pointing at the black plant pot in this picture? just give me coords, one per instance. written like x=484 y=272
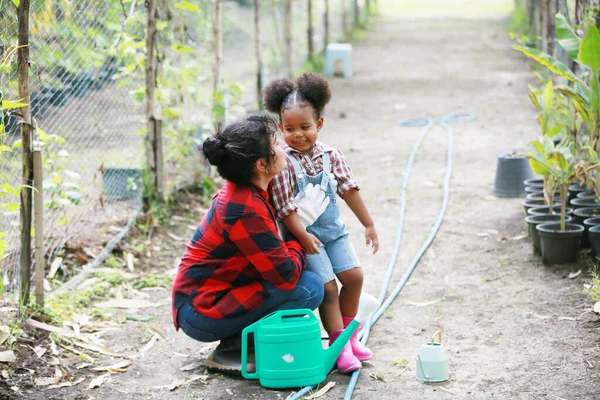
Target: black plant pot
x=533 y=221
x=588 y=194
x=534 y=189
x=560 y=247
x=580 y=215
x=530 y=203
x=121 y=183
x=546 y=210
x=587 y=224
x=511 y=171
x=594 y=237
x=574 y=190
x=540 y=195
x=579 y=202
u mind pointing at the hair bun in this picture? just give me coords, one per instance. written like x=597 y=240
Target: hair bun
x=213 y=149
x=276 y=92
x=315 y=89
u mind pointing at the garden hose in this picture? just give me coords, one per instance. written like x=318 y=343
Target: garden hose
x=427 y=124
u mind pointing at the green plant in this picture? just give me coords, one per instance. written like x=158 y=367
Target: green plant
x=153 y=281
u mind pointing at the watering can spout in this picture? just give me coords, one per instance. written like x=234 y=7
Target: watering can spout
x=367 y=306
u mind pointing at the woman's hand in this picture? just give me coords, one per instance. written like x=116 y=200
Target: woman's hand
x=310 y=243
x=371 y=238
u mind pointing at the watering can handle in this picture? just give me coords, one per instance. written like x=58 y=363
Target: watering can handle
x=438 y=333
x=298 y=312
x=420 y=364
x=245 y=373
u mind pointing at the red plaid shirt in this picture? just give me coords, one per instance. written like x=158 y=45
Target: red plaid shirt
x=235 y=249
x=284 y=185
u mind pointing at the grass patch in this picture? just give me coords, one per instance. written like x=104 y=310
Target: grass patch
x=153 y=281
x=594 y=290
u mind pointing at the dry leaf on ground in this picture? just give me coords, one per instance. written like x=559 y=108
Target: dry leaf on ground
x=50 y=328
x=175 y=237
x=192 y=366
x=115 y=368
x=321 y=392
x=56 y=264
x=97 y=348
x=40 y=351
x=97 y=382
x=7 y=356
x=150 y=344
x=519 y=237
x=178 y=382
x=130 y=262
x=597 y=307
x=574 y=275
x=45 y=381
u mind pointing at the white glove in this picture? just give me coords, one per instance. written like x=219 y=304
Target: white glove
x=311 y=204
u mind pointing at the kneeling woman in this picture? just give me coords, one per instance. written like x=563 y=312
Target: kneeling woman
x=236 y=268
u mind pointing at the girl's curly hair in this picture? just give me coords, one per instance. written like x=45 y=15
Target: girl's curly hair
x=310 y=88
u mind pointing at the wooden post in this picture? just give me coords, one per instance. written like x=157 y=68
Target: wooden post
x=27 y=156
x=218 y=49
x=289 y=50
x=153 y=139
x=326 y=22
x=356 y=10
x=309 y=32
x=543 y=16
x=40 y=263
x=258 y=45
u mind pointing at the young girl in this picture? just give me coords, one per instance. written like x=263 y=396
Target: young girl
x=300 y=107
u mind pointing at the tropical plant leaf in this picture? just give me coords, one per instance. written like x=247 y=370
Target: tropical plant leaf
x=187 y=6
x=555 y=130
x=589 y=49
x=182 y=48
x=6 y=104
x=580 y=102
x=567 y=38
x=535 y=101
x=549 y=62
x=538 y=167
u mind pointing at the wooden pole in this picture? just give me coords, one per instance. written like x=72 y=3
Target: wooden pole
x=40 y=263
x=259 y=62
x=344 y=18
x=356 y=10
x=309 y=32
x=326 y=22
x=289 y=51
x=27 y=156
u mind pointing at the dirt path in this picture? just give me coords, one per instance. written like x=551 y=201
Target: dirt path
x=512 y=327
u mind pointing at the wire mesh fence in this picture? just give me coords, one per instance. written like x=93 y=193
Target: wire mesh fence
x=87 y=87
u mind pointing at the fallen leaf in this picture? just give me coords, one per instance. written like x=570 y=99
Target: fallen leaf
x=4 y=374
x=542 y=317
x=597 y=307
x=115 y=368
x=40 y=351
x=175 y=237
x=519 y=237
x=51 y=328
x=321 y=392
x=97 y=382
x=44 y=381
x=57 y=375
x=140 y=318
x=130 y=262
x=493 y=232
x=377 y=377
x=192 y=366
x=178 y=382
x=482 y=234
x=56 y=264
x=83 y=365
x=126 y=303
x=180 y=355
x=7 y=356
x=574 y=275
x=230 y=392
x=567 y=319
x=97 y=348
x=150 y=344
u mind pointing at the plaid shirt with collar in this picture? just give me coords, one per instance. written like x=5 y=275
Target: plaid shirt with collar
x=284 y=184
x=235 y=249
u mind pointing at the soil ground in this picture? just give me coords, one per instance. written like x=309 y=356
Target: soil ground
x=513 y=328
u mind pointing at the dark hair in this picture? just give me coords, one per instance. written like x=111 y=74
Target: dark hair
x=234 y=151
x=310 y=89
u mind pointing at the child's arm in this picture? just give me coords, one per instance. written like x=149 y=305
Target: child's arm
x=354 y=200
x=308 y=241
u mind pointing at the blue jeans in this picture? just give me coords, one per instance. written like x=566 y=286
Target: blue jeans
x=308 y=293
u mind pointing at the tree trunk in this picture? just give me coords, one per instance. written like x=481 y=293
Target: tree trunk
x=258 y=45
x=579 y=11
x=289 y=51
x=552 y=9
x=326 y=23
x=543 y=15
x=344 y=17
x=218 y=44
x=40 y=263
x=368 y=7
x=356 y=13
x=309 y=32
x=26 y=152
x=531 y=15
x=153 y=141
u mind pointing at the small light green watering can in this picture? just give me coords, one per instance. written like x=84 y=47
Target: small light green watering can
x=432 y=361
x=288 y=348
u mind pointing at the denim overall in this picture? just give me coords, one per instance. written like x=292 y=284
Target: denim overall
x=337 y=254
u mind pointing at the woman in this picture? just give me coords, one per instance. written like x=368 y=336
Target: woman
x=236 y=268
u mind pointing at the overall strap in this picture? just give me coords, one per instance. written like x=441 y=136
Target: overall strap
x=298 y=172
x=326 y=168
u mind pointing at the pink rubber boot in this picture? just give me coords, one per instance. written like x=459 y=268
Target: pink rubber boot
x=346 y=361
x=360 y=350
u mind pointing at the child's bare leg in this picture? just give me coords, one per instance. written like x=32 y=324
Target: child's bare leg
x=333 y=324
x=330 y=308
x=352 y=281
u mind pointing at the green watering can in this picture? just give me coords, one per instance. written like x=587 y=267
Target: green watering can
x=288 y=348
x=432 y=361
